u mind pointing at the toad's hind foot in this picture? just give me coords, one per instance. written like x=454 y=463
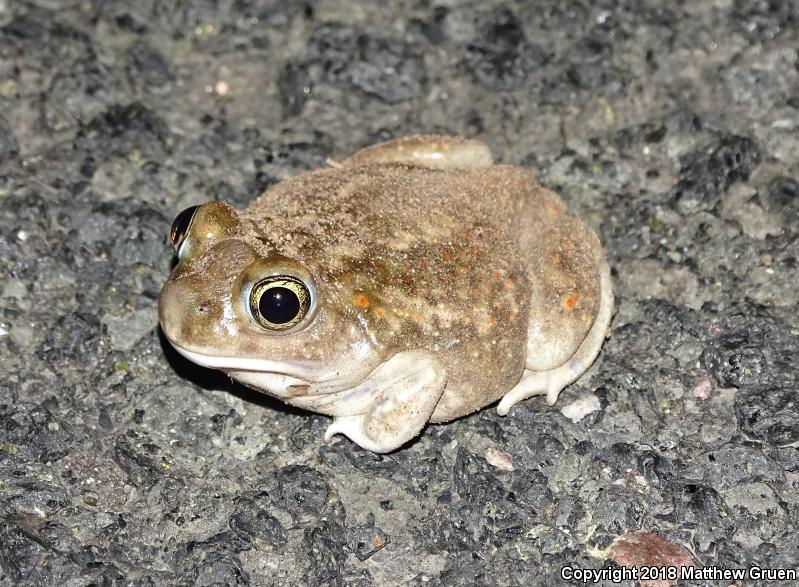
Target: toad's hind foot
x=406 y=390
x=548 y=383
x=552 y=381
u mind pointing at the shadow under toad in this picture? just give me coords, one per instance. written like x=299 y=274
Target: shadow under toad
x=212 y=379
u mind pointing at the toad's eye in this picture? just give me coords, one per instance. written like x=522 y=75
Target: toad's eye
x=180 y=227
x=279 y=302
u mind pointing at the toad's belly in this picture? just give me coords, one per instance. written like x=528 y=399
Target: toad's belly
x=483 y=379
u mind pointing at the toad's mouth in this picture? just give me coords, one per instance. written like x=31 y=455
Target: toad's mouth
x=283 y=379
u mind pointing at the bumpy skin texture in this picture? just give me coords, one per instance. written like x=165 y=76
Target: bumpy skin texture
x=419 y=245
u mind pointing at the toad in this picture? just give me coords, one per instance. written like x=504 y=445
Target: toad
x=416 y=281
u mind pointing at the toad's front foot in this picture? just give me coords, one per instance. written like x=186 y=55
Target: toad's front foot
x=406 y=390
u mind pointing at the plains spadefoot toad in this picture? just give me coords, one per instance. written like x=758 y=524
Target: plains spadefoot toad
x=414 y=282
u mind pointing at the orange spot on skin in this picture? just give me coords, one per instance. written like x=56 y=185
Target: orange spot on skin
x=508 y=283
x=423 y=264
x=361 y=301
x=571 y=300
x=379 y=313
x=417 y=317
x=493 y=321
x=552 y=209
x=497 y=275
x=475 y=250
x=567 y=244
x=447 y=255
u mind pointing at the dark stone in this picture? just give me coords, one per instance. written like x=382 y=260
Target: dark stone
x=783 y=555
x=294 y=85
x=501 y=57
x=327 y=550
x=459 y=528
x=629 y=140
x=79 y=89
x=368 y=539
x=302 y=489
x=543 y=449
x=219 y=571
x=72 y=337
x=37 y=430
x=630 y=388
x=736 y=359
x=147 y=67
x=474 y=480
x=707 y=173
x=531 y=488
x=253 y=523
x=589 y=50
x=783 y=196
x=220 y=545
x=432 y=28
x=31 y=547
x=731 y=465
x=336 y=455
x=697 y=505
x=657 y=469
x=545 y=20
x=121 y=129
x=765 y=20
x=8 y=143
x=8 y=397
x=618 y=457
x=355 y=578
x=138 y=461
x=788 y=457
x=21 y=556
x=39 y=35
x=769 y=414
x=388 y=69
x=618 y=511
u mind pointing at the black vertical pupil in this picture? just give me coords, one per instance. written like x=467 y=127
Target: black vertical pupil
x=279 y=305
x=181 y=226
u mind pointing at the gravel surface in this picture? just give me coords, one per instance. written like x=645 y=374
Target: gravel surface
x=673 y=128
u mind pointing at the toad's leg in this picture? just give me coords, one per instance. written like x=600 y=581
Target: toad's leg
x=551 y=382
x=436 y=151
x=403 y=392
